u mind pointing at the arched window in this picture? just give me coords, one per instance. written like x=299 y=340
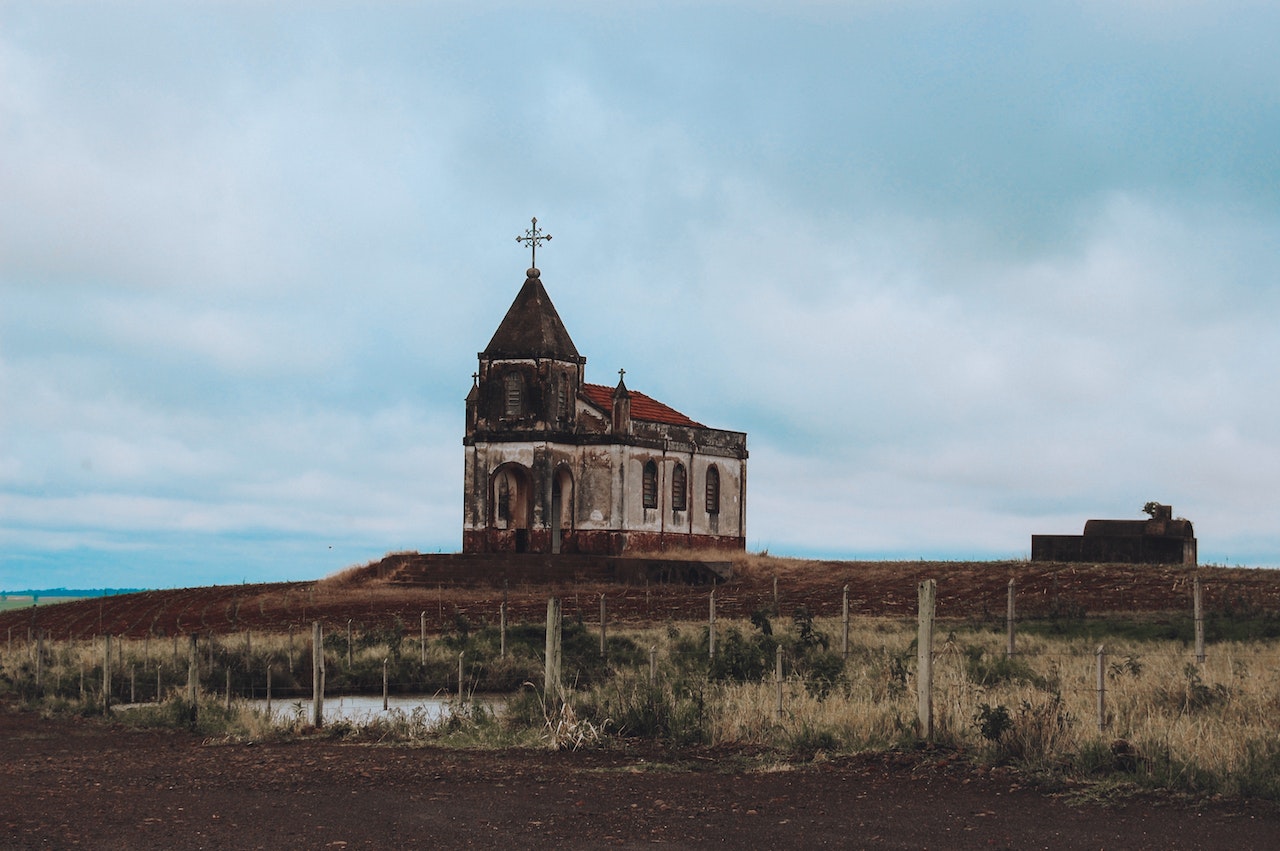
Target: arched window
x=679 y=488
x=650 y=485
x=504 y=499
x=513 y=385
x=713 y=490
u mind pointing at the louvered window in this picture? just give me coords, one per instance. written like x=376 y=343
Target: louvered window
x=713 y=490
x=513 y=384
x=650 y=485
x=679 y=488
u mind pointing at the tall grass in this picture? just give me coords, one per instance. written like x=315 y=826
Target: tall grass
x=1170 y=723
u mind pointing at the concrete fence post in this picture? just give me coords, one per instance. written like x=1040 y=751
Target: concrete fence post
x=777 y=680
x=39 y=662
x=317 y=674
x=927 y=593
x=1010 y=618
x=193 y=677
x=844 y=624
x=106 y=673
x=604 y=628
x=1198 y=612
x=1102 y=687
x=711 y=628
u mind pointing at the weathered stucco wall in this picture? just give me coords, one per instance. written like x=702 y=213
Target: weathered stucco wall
x=601 y=498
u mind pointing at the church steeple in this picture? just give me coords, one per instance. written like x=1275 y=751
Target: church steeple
x=532 y=328
x=530 y=373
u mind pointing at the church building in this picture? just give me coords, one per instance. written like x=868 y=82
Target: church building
x=557 y=465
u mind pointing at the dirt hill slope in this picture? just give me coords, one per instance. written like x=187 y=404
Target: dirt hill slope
x=975 y=590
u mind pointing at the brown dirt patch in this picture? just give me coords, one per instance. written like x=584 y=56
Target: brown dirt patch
x=81 y=783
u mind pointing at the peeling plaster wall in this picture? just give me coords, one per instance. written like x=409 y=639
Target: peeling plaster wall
x=607 y=500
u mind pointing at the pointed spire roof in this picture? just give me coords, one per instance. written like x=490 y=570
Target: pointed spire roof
x=532 y=328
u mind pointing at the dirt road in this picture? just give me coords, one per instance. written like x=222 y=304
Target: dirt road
x=71 y=783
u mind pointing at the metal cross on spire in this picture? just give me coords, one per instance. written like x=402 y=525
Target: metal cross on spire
x=533 y=236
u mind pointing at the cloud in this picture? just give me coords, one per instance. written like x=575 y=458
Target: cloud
x=963 y=272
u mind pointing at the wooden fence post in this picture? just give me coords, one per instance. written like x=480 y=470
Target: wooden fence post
x=158 y=683
x=133 y=684
x=193 y=677
x=1102 y=687
x=928 y=593
x=502 y=630
x=777 y=679
x=1198 y=608
x=461 y=654
x=39 y=661
x=385 y=683
x=1010 y=617
x=268 y=690
x=228 y=672
x=290 y=649
x=604 y=627
x=775 y=595
x=653 y=664
x=348 y=644
x=106 y=673
x=317 y=674
x=422 y=641
x=844 y=625
x=711 y=628
x=551 y=686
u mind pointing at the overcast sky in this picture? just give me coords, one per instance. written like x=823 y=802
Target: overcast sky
x=963 y=272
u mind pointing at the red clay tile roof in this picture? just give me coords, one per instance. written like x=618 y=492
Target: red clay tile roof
x=642 y=406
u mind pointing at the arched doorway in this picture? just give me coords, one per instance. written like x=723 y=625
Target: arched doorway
x=511 y=507
x=561 y=506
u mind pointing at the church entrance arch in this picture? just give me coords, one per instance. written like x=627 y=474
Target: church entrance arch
x=561 y=506
x=510 y=492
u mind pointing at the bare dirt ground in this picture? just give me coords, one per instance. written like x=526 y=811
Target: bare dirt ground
x=71 y=783
x=965 y=589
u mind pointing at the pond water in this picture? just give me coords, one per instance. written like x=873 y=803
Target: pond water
x=361 y=709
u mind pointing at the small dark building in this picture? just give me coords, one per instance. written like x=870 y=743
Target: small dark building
x=1160 y=540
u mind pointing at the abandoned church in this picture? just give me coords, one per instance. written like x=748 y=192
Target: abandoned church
x=557 y=465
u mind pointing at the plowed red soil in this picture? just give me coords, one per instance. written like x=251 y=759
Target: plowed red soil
x=72 y=783
x=965 y=589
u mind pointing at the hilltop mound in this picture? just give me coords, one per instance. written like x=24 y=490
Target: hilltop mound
x=975 y=590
